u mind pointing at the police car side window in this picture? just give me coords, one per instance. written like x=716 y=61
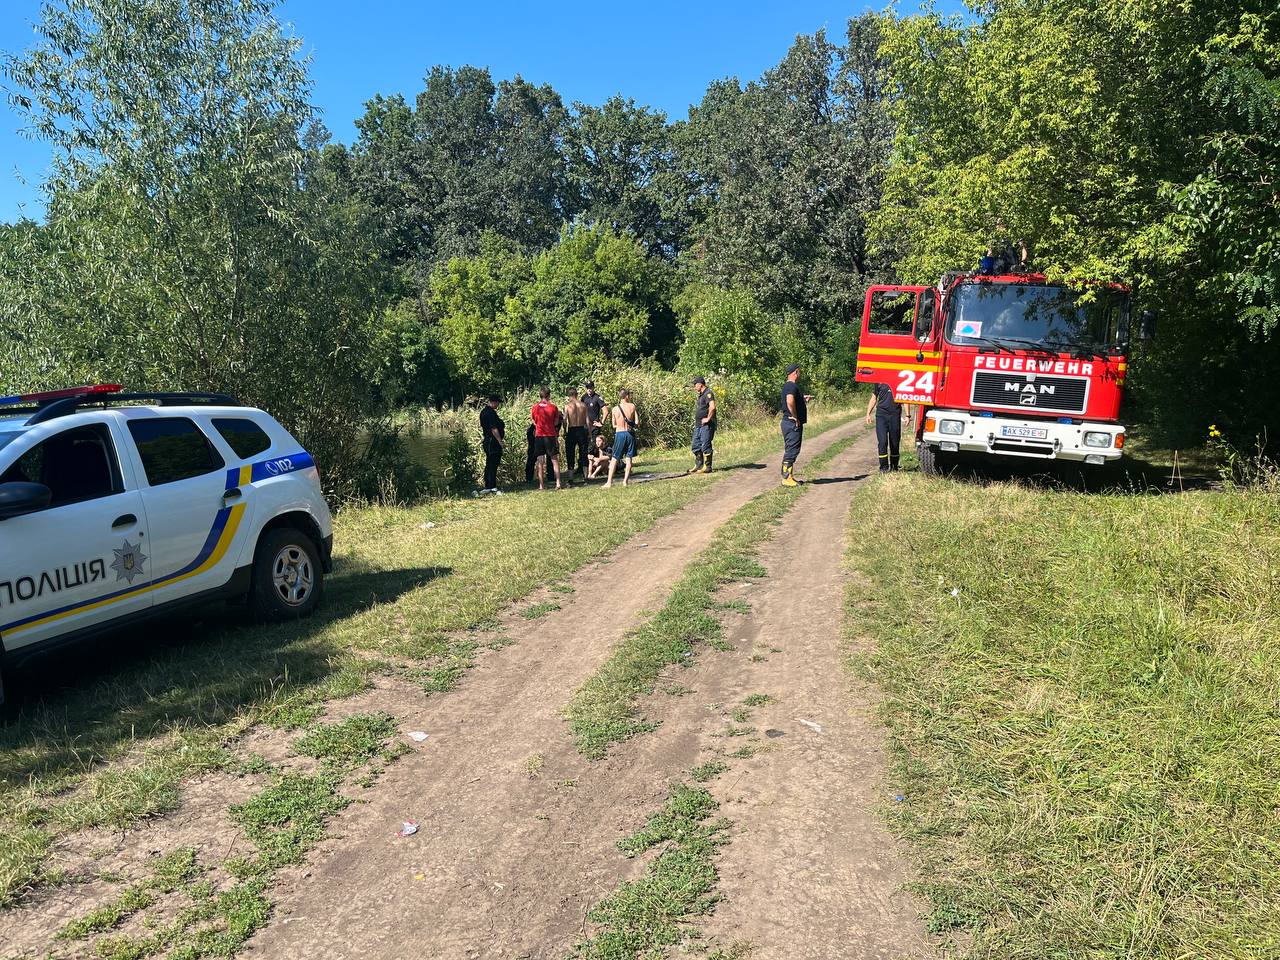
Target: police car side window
x=172 y=449
x=243 y=436
x=76 y=464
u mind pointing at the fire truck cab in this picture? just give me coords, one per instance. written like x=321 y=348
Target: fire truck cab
x=1008 y=365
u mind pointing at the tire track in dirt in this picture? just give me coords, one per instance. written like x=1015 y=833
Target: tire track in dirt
x=517 y=831
x=811 y=871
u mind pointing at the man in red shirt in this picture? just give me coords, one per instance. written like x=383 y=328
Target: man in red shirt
x=546 y=437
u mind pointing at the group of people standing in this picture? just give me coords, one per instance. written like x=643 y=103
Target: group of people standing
x=588 y=455
x=581 y=422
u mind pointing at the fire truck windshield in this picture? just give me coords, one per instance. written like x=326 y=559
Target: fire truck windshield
x=1021 y=315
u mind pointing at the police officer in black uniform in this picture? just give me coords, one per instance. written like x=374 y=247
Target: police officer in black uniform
x=888 y=414
x=493 y=434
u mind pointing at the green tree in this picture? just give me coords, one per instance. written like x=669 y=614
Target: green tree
x=787 y=170
x=470 y=157
x=595 y=298
x=1129 y=140
x=475 y=313
x=727 y=332
x=192 y=240
x=622 y=163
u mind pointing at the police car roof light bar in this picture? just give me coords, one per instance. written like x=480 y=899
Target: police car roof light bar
x=48 y=396
x=69 y=405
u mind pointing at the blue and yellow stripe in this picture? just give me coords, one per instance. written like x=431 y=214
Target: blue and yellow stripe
x=221 y=535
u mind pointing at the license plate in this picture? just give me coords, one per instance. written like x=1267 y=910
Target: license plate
x=1025 y=433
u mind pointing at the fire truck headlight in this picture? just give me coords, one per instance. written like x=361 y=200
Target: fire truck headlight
x=952 y=427
x=1097 y=438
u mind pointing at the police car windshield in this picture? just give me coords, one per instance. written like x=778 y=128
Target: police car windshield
x=1028 y=316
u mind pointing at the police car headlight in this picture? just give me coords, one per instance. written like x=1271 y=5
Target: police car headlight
x=1097 y=438
x=953 y=427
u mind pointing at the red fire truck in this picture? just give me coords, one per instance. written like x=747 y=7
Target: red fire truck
x=1007 y=365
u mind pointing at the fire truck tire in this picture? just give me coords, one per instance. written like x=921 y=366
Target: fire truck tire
x=930 y=458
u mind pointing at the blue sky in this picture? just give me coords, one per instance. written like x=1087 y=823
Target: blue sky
x=663 y=53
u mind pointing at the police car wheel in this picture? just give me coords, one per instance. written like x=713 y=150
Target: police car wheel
x=287 y=576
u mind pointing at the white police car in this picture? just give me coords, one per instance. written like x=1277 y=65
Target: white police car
x=115 y=507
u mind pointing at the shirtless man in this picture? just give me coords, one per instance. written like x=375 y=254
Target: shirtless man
x=575 y=435
x=625 y=420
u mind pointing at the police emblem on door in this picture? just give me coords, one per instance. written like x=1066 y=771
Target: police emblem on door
x=128 y=562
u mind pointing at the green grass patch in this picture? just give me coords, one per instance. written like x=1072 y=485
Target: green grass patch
x=643 y=917
x=1082 y=698
x=757 y=700
x=351 y=742
x=605 y=709
x=538 y=610
x=287 y=818
x=708 y=771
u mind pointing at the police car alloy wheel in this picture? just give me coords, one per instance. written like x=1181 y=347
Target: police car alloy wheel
x=287 y=577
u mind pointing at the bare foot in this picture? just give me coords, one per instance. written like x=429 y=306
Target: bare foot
x=558 y=487
x=608 y=485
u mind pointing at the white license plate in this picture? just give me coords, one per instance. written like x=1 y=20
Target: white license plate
x=1025 y=433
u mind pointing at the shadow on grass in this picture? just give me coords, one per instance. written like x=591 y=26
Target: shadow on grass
x=198 y=668
x=1131 y=475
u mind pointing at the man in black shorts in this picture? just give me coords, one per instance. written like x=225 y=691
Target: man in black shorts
x=546 y=437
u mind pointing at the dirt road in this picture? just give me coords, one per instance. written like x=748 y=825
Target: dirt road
x=518 y=832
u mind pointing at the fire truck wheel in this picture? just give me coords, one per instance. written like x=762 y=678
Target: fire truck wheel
x=933 y=462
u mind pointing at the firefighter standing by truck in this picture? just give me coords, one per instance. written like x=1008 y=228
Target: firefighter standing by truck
x=795 y=412
x=888 y=414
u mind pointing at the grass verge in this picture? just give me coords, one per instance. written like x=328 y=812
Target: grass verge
x=1083 y=697
x=604 y=710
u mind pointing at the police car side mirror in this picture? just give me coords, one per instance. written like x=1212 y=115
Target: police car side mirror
x=19 y=498
x=1147 y=327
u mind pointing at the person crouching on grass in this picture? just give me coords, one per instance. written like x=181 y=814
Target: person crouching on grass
x=598 y=458
x=546 y=437
x=625 y=420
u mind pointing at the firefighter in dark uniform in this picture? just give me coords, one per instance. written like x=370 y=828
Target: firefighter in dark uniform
x=888 y=414
x=704 y=426
x=795 y=413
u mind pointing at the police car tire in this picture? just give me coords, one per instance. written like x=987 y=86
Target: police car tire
x=265 y=599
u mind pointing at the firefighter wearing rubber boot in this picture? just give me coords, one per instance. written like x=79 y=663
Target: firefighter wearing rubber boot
x=888 y=414
x=794 y=414
x=704 y=426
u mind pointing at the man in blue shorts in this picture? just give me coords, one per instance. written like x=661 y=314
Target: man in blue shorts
x=625 y=420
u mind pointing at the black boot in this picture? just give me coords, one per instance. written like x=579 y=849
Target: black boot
x=707 y=467
x=697 y=462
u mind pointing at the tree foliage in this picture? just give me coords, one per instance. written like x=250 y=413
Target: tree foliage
x=192 y=240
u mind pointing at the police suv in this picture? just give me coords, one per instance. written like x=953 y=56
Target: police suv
x=115 y=507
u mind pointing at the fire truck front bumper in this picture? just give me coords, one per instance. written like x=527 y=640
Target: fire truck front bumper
x=955 y=431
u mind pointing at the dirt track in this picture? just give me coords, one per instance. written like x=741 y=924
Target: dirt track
x=518 y=831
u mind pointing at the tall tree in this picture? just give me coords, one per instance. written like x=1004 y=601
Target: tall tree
x=623 y=165
x=182 y=248
x=788 y=169
x=470 y=157
x=1128 y=140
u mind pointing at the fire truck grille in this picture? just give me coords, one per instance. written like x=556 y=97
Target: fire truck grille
x=1030 y=391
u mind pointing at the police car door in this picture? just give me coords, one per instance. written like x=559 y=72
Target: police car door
x=85 y=558
x=195 y=514
x=899 y=342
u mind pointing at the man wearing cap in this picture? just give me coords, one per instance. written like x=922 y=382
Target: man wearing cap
x=795 y=412
x=704 y=426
